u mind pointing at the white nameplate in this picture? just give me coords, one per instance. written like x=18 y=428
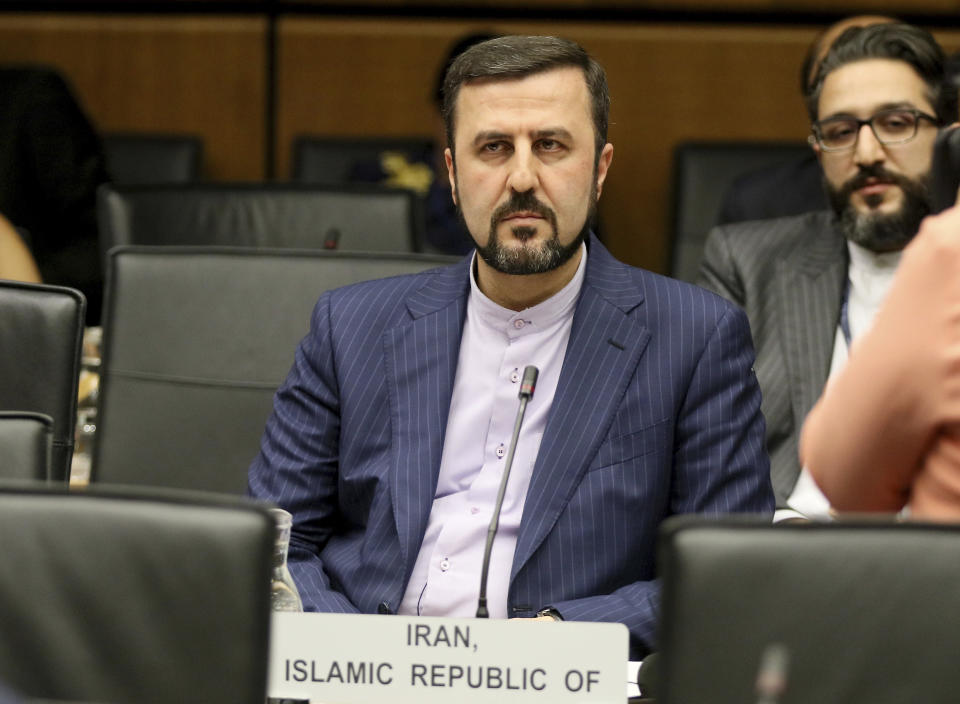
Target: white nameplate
x=347 y=659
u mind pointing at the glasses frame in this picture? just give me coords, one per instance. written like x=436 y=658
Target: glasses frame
x=817 y=136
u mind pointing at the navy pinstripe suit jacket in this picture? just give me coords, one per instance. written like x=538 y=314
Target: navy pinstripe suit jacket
x=657 y=412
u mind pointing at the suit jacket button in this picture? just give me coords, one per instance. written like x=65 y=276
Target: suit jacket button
x=384 y=609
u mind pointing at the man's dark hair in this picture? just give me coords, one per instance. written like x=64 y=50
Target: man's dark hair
x=457 y=48
x=899 y=42
x=517 y=57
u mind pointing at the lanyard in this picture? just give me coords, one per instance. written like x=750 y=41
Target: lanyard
x=845 y=315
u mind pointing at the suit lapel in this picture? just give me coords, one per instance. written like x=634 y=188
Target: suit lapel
x=605 y=345
x=810 y=288
x=421 y=363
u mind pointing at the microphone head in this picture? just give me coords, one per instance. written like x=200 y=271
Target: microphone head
x=529 y=382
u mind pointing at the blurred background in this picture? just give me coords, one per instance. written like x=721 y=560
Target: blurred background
x=248 y=77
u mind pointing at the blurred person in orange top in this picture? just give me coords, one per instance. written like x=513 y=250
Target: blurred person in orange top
x=886 y=432
x=16 y=262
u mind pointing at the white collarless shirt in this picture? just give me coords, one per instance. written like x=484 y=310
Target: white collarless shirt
x=497 y=344
x=870 y=276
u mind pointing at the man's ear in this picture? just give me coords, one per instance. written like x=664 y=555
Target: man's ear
x=451 y=173
x=603 y=165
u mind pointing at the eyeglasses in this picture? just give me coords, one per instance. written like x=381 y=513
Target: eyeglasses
x=896 y=126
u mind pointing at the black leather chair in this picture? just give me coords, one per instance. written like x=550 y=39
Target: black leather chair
x=136 y=158
x=196 y=341
x=41 y=332
x=134 y=597
x=26 y=442
x=363 y=218
x=858 y=611
x=702 y=173
x=338 y=160
x=945 y=171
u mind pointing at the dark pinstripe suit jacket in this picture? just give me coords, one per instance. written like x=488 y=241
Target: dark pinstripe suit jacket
x=788 y=275
x=657 y=412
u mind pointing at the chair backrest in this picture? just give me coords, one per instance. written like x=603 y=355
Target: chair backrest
x=41 y=332
x=148 y=158
x=361 y=218
x=843 y=612
x=339 y=160
x=945 y=170
x=702 y=173
x=26 y=442
x=123 y=597
x=195 y=343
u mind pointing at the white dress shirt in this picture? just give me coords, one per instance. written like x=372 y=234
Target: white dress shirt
x=497 y=344
x=871 y=275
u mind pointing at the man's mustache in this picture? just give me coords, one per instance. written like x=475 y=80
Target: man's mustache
x=868 y=174
x=524 y=202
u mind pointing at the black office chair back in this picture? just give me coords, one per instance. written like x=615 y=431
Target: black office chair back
x=362 y=218
x=26 y=444
x=133 y=597
x=702 y=173
x=844 y=612
x=136 y=158
x=196 y=341
x=41 y=332
x=339 y=160
x=945 y=171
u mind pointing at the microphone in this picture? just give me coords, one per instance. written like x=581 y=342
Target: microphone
x=527 y=386
x=648 y=676
x=772 y=673
x=332 y=239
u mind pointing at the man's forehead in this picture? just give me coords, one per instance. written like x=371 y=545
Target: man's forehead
x=872 y=84
x=561 y=91
x=570 y=77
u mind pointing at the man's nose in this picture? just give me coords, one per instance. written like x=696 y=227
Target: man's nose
x=868 y=149
x=523 y=172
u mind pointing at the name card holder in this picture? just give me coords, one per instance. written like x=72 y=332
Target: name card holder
x=364 y=659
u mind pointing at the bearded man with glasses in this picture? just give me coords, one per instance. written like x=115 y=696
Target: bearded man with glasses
x=811 y=284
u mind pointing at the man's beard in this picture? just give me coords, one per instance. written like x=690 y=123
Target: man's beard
x=532 y=257
x=881 y=232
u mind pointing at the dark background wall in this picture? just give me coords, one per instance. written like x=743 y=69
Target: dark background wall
x=249 y=76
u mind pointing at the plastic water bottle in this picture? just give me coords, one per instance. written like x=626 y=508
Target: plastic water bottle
x=283 y=592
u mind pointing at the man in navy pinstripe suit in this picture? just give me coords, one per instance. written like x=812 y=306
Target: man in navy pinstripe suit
x=387 y=440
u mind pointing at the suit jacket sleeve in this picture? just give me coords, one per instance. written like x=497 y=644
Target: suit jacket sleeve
x=718 y=271
x=720 y=465
x=298 y=463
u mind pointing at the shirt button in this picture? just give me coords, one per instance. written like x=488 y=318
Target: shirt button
x=444 y=564
x=518 y=324
x=474 y=510
x=501 y=451
x=515 y=376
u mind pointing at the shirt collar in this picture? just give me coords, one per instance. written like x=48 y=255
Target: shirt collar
x=870 y=262
x=871 y=274
x=513 y=323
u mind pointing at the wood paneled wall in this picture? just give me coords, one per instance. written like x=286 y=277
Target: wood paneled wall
x=366 y=76
x=202 y=75
x=668 y=83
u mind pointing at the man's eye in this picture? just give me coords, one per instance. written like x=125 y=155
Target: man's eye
x=549 y=145
x=494 y=147
x=896 y=121
x=839 y=131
